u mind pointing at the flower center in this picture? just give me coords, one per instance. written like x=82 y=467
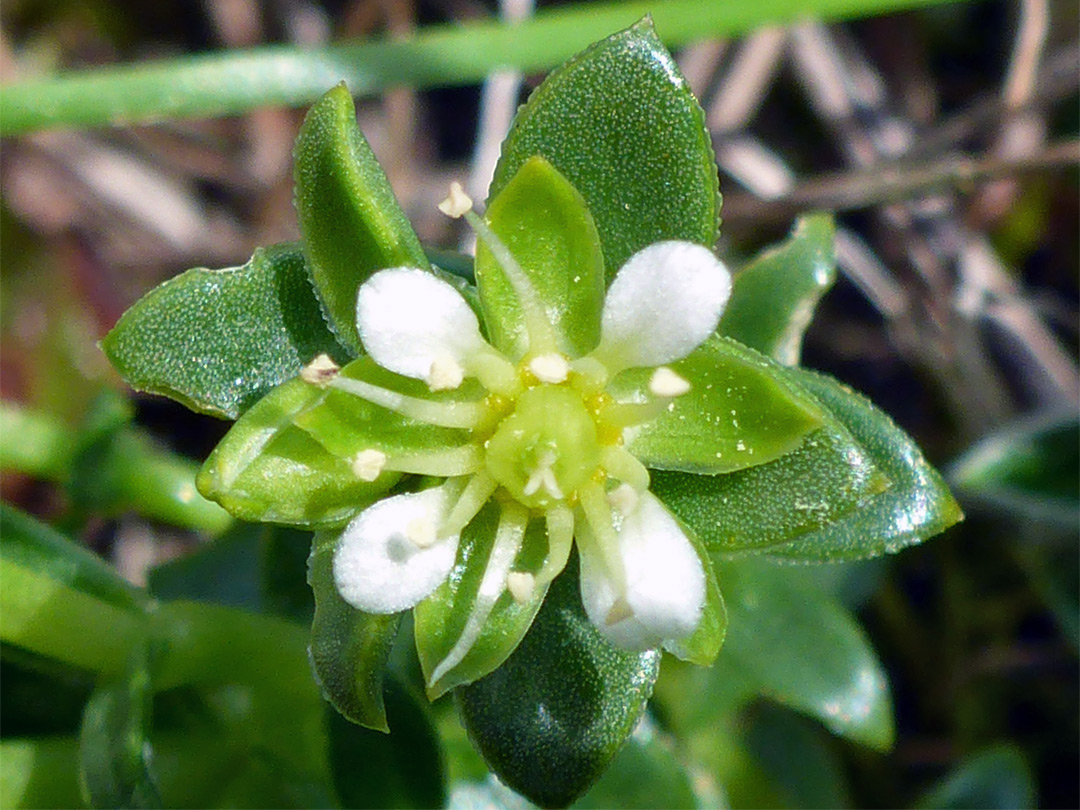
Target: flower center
x=546 y=449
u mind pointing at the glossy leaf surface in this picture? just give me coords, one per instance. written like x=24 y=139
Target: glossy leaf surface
x=773 y=297
x=741 y=411
x=351 y=223
x=596 y=120
x=401 y=769
x=268 y=470
x=800 y=648
x=115 y=754
x=550 y=719
x=918 y=505
x=545 y=223
x=218 y=340
x=441 y=618
x=824 y=479
x=349 y=648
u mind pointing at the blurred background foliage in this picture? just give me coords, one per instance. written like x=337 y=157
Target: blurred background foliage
x=946 y=140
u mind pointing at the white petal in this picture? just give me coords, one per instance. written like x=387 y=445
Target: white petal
x=388 y=558
x=665 y=582
x=416 y=324
x=664 y=302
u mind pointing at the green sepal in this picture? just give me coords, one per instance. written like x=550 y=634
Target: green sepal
x=440 y=618
x=267 y=470
x=346 y=424
x=620 y=123
x=742 y=410
x=702 y=646
x=917 y=506
x=773 y=297
x=799 y=647
x=551 y=718
x=115 y=755
x=545 y=223
x=351 y=223
x=218 y=340
x=349 y=648
x=825 y=479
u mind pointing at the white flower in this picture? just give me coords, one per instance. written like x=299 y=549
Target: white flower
x=554 y=453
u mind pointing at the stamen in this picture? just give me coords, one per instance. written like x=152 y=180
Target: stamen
x=560 y=533
x=495 y=372
x=597 y=512
x=590 y=375
x=368 y=464
x=320 y=371
x=446 y=373
x=550 y=368
x=449 y=463
x=476 y=493
x=542 y=338
x=508 y=538
x=620 y=464
x=522 y=586
x=666 y=383
x=441 y=414
x=458 y=203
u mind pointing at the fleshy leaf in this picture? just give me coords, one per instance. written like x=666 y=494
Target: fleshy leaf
x=741 y=411
x=351 y=222
x=996 y=778
x=346 y=424
x=551 y=718
x=349 y=648
x=596 y=119
x=268 y=470
x=218 y=340
x=546 y=225
x=1030 y=468
x=441 y=618
x=825 y=479
x=115 y=754
x=802 y=649
x=402 y=769
x=918 y=505
x=773 y=297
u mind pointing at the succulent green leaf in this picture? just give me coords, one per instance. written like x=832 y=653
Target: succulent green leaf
x=440 y=620
x=551 y=718
x=742 y=410
x=773 y=297
x=996 y=778
x=402 y=769
x=351 y=223
x=545 y=223
x=39 y=771
x=596 y=119
x=40 y=548
x=802 y=649
x=349 y=648
x=218 y=340
x=268 y=470
x=115 y=754
x=918 y=505
x=40 y=696
x=1031 y=469
x=345 y=424
x=702 y=646
x=826 y=478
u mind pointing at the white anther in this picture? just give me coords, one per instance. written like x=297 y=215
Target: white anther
x=521 y=585
x=624 y=498
x=320 y=371
x=458 y=204
x=550 y=368
x=446 y=373
x=368 y=464
x=421 y=532
x=666 y=383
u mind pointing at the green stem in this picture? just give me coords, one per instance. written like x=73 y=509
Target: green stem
x=230 y=83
